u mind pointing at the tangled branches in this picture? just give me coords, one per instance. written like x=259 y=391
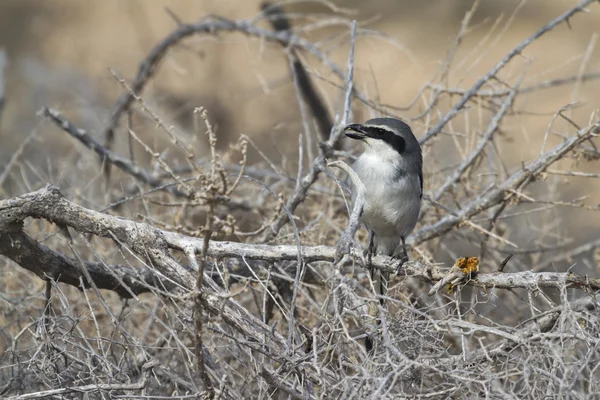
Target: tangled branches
x=215 y=277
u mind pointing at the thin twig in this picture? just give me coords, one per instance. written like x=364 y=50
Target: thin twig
x=484 y=79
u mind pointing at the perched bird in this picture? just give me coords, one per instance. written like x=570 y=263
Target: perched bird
x=391 y=168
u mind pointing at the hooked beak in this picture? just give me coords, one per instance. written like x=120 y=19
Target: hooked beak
x=356 y=131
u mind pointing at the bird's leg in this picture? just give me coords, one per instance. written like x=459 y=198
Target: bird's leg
x=402 y=256
x=370 y=250
x=369 y=342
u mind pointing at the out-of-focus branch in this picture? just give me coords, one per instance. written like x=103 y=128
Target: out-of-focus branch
x=280 y=23
x=3 y=63
x=212 y=25
x=318 y=164
x=549 y=84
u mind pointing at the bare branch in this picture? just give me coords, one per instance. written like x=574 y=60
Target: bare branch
x=49 y=204
x=492 y=73
x=502 y=192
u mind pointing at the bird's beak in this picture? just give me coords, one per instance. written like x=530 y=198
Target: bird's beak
x=356 y=131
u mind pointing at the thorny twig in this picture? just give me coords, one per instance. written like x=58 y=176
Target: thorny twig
x=502 y=193
x=347 y=237
x=201 y=265
x=492 y=73
x=317 y=165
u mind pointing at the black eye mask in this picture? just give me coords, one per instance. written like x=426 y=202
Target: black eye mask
x=397 y=142
x=361 y=132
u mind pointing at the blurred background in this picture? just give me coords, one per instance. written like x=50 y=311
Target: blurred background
x=58 y=54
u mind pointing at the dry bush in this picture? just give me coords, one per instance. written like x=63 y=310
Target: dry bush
x=208 y=275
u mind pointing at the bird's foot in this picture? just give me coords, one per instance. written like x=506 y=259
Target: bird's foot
x=369 y=252
x=401 y=258
x=368 y=255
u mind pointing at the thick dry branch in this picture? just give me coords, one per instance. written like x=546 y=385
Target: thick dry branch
x=48 y=264
x=149 y=243
x=417 y=269
x=49 y=204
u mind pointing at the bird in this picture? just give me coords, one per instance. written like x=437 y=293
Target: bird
x=391 y=168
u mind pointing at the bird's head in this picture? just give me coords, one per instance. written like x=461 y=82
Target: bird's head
x=388 y=136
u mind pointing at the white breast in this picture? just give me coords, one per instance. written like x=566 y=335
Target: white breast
x=392 y=199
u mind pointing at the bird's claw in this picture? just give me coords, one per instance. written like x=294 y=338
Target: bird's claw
x=402 y=259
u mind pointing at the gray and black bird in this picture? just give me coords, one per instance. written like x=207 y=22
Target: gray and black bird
x=391 y=168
